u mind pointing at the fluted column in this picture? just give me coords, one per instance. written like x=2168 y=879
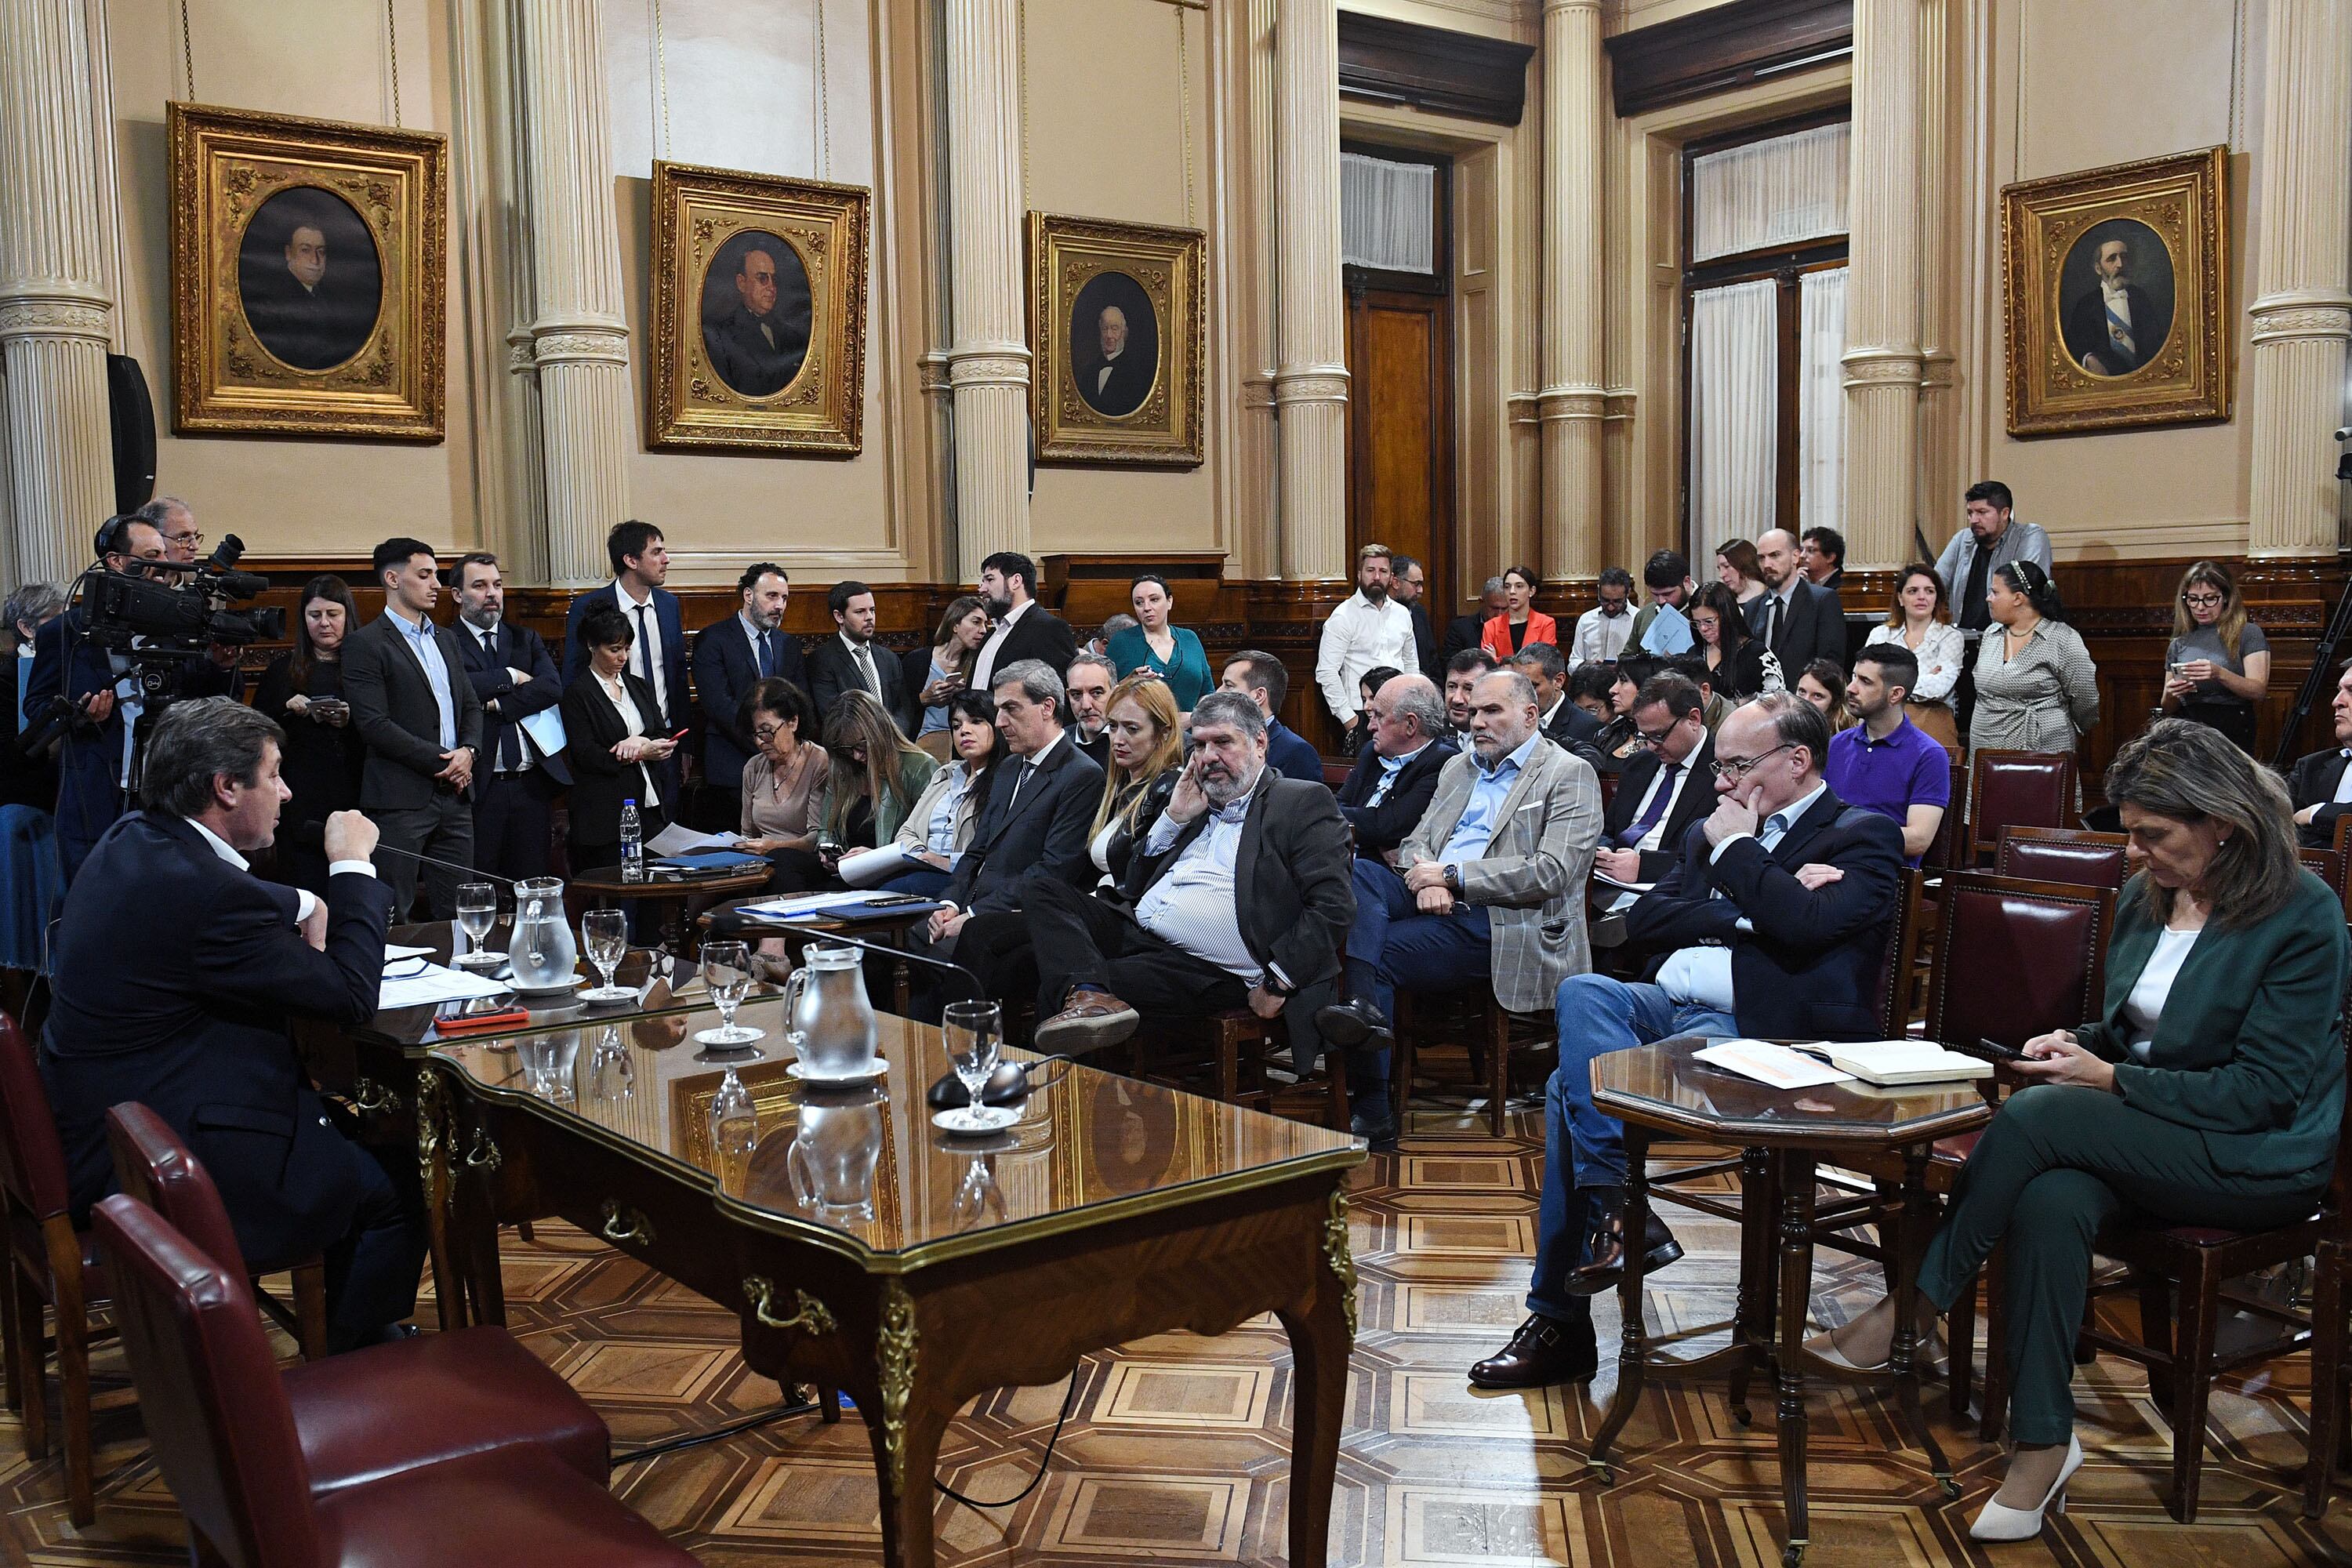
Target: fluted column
x=1575 y=394
x=1937 y=491
x=2302 y=309
x=1882 y=322
x=579 y=336
x=988 y=364
x=1310 y=377
x=54 y=310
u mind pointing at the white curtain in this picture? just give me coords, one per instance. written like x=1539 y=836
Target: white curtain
x=1769 y=194
x=1734 y=420
x=1388 y=213
x=1821 y=399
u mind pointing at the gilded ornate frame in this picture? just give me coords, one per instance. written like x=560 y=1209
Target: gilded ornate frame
x=1064 y=255
x=2185 y=199
x=225 y=164
x=821 y=412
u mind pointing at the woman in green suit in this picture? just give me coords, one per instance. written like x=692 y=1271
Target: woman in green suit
x=2210 y=1092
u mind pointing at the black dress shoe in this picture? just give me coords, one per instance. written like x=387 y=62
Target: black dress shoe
x=1544 y=1351
x=1381 y=1131
x=1353 y=1024
x=1605 y=1252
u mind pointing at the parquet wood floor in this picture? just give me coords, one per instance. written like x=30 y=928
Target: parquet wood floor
x=1177 y=1449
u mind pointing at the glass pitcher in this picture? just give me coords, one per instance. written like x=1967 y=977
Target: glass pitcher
x=831 y=1023
x=833 y=1154
x=541 y=949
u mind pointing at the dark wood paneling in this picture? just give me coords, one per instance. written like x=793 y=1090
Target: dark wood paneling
x=1723 y=47
x=1432 y=69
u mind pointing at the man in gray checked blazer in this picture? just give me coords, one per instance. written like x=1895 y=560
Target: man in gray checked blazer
x=1489 y=888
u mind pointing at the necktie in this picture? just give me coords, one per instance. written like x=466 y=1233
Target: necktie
x=1655 y=810
x=1772 y=624
x=865 y=668
x=508 y=745
x=1019 y=778
x=646 y=659
x=767 y=654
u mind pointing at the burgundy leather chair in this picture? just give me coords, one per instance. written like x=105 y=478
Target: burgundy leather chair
x=224 y=1438
x=2062 y=855
x=2018 y=789
x=371 y=1413
x=50 y=1265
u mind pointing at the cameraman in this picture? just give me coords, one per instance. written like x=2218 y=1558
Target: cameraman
x=190 y=1018
x=90 y=698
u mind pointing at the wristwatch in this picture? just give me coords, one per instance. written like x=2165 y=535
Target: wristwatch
x=1453 y=879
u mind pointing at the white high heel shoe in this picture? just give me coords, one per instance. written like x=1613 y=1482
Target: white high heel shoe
x=1999 y=1522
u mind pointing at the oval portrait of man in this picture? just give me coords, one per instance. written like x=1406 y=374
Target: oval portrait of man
x=309 y=278
x=755 y=313
x=1114 y=344
x=2114 y=297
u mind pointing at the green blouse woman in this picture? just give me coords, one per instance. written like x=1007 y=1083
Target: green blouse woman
x=1174 y=653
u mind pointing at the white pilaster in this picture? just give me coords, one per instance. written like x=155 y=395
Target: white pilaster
x=1310 y=378
x=1574 y=399
x=1882 y=331
x=988 y=361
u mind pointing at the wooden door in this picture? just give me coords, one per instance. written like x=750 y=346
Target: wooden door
x=1401 y=431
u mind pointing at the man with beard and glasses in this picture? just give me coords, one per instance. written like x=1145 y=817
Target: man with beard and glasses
x=1367 y=630
x=1241 y=899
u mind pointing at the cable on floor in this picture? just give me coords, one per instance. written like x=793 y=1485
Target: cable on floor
x=718 y=1434
x=1069 y=1397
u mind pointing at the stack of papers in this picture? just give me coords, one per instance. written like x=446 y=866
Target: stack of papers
x=1887 y=1062
x=833 y=906
x=676 y=840
x=1778 y=1066
x=435 y=983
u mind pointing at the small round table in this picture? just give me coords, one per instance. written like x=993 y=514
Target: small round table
x=1662 y=1091
x=678 y=900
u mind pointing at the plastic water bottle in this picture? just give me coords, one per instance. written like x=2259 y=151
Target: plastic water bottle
x=632 y=848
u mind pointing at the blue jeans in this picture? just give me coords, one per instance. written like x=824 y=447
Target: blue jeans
x=1392 y=944
x=1583 y=1145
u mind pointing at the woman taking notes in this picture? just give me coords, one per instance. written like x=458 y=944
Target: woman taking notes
x=1172 y=653
x=2210 y=1092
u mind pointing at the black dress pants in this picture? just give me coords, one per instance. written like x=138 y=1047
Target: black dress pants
x=1077 y=939
x=512 y=815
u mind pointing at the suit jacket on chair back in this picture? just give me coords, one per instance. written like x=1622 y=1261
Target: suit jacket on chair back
x=396 y=711
x=1293 y=892
x=1041 y=834
x=1531 y=879
x=516 y=648
x=1809 y=969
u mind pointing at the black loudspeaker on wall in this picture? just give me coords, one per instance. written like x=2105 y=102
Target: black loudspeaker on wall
x=133 y=415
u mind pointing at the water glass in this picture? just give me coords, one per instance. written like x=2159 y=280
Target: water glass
x=478 y=912
x=726 y=972
x=975 y=1034
x=734 y=1119
x=606 y=932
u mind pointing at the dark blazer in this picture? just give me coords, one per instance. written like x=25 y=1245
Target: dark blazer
x=1043 y=834
x=2086 y=329
x=1132 y=376
x=1810 y=969
x=1379 y=828
x=1292 y=754
x=1744 y=676
x=673 y=641
x=1570 y=723
x=1813 y=627
x=89 y=761
x=1424 y=642
x=2249 y=1049
x=1040 y=634
x=1098 y=750
x=832 y=671
x=394 y=711
x=1462 y=633
x=725 y=671
x=519 y=647
x=600 y=781
x=2312 y=781
x=188 y=1016
x=1294 y=893
x=1694 y=805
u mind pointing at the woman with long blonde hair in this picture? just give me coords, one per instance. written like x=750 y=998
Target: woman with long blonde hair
x=2219 y=665
x=1147 y=749
x=877 y=774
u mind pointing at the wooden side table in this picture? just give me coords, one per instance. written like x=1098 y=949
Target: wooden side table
x=678 y=901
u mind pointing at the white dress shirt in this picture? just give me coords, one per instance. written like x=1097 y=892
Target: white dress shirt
x=983 y=667
x=649 y=644
x=1702 y=975
x=1599 y=639
x=526 y=749
x=861 y=659
x=305 y=900
x=1358 y=637
x=1191 y=905
x=633 y=722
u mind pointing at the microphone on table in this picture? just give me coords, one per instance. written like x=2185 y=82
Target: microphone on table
x=1008 y=1085
x=314 y=835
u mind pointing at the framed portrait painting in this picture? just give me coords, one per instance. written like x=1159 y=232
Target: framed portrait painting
x=2116 y=282
x=308 y=268
x=758 y=287
x=1116 y=336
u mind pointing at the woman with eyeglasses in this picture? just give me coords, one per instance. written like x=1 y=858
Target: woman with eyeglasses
x=2037 y=689
x=2219 y=665
x=780 y=783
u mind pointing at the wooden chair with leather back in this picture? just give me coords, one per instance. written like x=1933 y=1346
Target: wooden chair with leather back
x=1224 y=1055
x=225 y=1438
x=2062 y=855
x=1496 y=1039
x=2018 y=789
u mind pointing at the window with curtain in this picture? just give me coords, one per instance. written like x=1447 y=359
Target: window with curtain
x=1764 y=267
x=1387 y=214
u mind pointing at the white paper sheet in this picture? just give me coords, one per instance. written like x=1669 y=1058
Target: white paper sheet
x=1609 y=881
x=438 y=982
x=394 y=952
x=1770 y=1064
x=872 y=867
x=676 y=840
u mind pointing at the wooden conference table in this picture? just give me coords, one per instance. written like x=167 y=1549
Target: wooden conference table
x=866 y=1250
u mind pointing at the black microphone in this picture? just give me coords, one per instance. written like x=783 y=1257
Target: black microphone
x=1008 y=1085
x=314 y=835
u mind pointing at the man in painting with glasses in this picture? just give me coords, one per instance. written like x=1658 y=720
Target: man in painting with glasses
x=1771 y=923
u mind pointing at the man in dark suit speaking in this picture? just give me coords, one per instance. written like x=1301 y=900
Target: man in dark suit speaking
x=188 y=1016
x=1772 y=923
x=758 y=347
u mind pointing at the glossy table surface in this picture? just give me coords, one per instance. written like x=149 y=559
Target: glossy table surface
x=862 y=1171
x=1666 y=1086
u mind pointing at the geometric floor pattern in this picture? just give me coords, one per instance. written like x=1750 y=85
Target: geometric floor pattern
x=1177 y=1449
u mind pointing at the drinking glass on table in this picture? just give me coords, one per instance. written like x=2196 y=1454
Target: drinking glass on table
x=726 y=972
x=607 y=933
x=974 y=1032
x=478 y=912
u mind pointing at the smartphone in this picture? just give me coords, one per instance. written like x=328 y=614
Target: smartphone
x=475 y=1006
x=1993 y=1050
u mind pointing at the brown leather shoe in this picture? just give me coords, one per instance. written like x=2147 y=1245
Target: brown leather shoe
x=1545 y=1350
x=1092 y=1020
x=1605 y=1252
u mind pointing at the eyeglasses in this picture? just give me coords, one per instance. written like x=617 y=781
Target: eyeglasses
x=2200 y=601
x=763 y=733
x=193 y=538
x=1738 y=768
x=1656 y=740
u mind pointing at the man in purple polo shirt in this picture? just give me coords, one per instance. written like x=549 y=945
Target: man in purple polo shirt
x=1886 y=764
